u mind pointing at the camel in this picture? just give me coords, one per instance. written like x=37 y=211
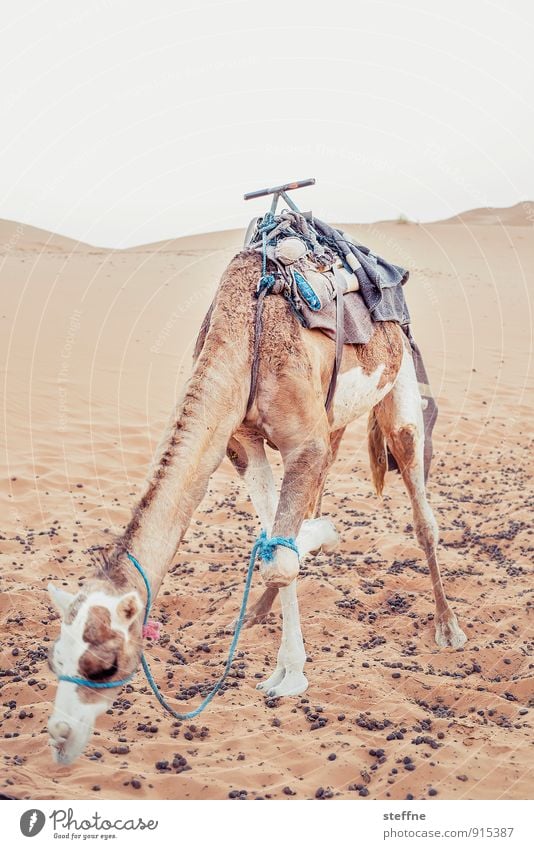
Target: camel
x=101 y=625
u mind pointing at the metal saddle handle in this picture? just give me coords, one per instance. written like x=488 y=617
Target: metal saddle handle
x=299 y=184
x=280 y=192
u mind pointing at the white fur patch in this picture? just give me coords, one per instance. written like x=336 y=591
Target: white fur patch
x=356 y=394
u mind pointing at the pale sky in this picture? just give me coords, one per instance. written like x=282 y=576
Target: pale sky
x=127 y=122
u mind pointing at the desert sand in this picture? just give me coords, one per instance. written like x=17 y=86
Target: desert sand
x=95 y=345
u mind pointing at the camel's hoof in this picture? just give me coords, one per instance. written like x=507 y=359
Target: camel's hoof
x=282 y=683
x=272 y=681
x=449 y=633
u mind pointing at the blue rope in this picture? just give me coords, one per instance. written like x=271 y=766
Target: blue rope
x=142 y=572
x=265 y=547
x=96 y=685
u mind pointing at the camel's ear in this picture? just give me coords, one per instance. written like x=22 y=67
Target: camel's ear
x=128 y=608
x=60 y=598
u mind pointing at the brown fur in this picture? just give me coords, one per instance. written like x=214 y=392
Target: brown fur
x=384 y=348
x=106 y=649
x=292 y=360
x=377 y=452
x=404 y=447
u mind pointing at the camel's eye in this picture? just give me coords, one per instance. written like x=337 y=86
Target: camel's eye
x=102 y=674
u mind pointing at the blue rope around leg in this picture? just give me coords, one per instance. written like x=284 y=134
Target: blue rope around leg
x=263 y=546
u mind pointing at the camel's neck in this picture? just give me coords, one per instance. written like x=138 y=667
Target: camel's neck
x=193 y=449
x=212 y=408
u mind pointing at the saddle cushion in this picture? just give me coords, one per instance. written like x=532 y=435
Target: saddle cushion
x=319 y=310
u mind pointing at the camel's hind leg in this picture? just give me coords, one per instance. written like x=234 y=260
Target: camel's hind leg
x=400 y=419
x=335 y=441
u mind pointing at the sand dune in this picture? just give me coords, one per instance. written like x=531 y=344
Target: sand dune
x=519 y=215
x=95 y=347
x=15 y=236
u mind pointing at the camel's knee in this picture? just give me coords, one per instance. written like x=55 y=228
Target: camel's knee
x=403 y=442
x=426 y=528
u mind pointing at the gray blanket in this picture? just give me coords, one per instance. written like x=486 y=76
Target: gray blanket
x=380 y=281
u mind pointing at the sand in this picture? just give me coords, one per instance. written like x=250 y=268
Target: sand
x=95 y=346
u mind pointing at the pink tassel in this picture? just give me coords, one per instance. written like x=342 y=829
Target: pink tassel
x=151 y=631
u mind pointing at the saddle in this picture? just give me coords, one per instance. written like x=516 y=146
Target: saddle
x=336 y=286
x=307 y=269
x=312 y=262
x=318 y=285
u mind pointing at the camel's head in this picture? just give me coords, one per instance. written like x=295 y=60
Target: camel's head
x=100 y=641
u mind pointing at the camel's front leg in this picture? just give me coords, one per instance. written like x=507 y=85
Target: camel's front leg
x=288 y=678
x=303 y=470
x=247 y=453
x=248 y=456
x=304 y=466
x=314 y=535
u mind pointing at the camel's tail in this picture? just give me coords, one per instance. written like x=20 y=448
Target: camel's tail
x=376 y=442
